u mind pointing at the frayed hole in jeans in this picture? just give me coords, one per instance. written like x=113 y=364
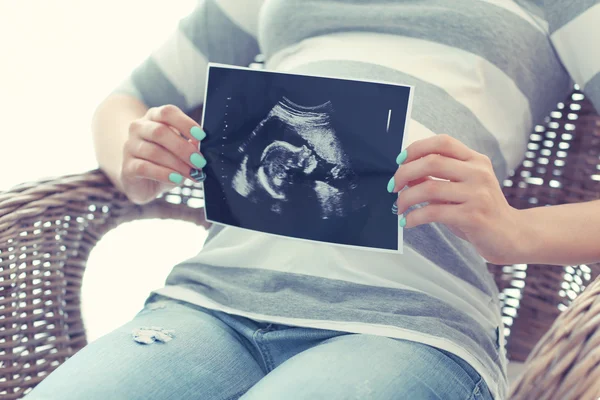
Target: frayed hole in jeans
x=153 y=334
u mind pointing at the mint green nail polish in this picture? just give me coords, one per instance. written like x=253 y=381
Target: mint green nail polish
x=391 y=185
x=402 y=222
x=198 y=160
x=175 y=178
x=197 y=132
x=401 y=157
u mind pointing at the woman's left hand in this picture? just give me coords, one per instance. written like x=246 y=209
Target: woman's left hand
x=466 y=196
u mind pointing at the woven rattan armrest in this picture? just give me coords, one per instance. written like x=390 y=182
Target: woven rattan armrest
x=565 y=364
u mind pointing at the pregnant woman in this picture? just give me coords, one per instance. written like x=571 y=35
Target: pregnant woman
x=255 y=316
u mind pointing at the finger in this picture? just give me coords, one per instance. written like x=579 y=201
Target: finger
x=432 y=191
x=145 y=169
x=162 y=135
x=173 y=116
x=418 y=181
x=441 y=213
x=442 y=144
x=434 y=165
x=157 y=154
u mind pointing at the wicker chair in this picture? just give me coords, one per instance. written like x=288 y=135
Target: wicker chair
x=48 y=228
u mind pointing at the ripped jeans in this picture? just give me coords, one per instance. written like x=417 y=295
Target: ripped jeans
x=194 y=353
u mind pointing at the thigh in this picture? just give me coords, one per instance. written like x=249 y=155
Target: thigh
x=371 y=367
x=205 y=359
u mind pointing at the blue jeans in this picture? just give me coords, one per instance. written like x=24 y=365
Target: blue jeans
x=214 y=355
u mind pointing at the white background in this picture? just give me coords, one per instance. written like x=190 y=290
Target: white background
x=58 y=60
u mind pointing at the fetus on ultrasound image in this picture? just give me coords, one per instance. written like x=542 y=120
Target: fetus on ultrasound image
x=303 y=157
x=294 y=156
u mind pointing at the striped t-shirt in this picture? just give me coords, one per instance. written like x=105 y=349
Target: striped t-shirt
x=485 y=72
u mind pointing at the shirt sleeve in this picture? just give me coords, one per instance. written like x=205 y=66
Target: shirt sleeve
x=575 y=33
x=222 y=31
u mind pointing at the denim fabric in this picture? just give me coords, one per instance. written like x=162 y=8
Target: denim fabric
x=214 y=355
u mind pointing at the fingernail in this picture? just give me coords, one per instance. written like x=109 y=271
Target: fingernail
x=391 y=185
x=402 y=222
x=197 y=132
x=401 y=157
x=197 y=175
x=175 y=178
x=198 y=160
x=394 y=208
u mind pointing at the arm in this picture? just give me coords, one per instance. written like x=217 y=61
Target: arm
x=469 y=201
x=175 y=73
x=567 y=234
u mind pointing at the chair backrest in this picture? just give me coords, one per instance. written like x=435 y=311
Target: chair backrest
x=562 y=165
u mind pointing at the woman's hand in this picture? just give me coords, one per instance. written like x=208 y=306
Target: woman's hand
x=466 y=196
x=161 y=150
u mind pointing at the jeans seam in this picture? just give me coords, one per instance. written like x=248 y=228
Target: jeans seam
x=269 y=359
x=264 y=352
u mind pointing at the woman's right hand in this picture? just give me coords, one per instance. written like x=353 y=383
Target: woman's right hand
x=161 y=150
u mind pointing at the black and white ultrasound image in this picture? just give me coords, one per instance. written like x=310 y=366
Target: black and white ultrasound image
x=302 y=156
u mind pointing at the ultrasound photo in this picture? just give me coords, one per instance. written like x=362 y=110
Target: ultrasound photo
x=304 y=157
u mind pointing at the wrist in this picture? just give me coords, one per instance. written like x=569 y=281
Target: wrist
x=113 y=173
x=529 y=238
